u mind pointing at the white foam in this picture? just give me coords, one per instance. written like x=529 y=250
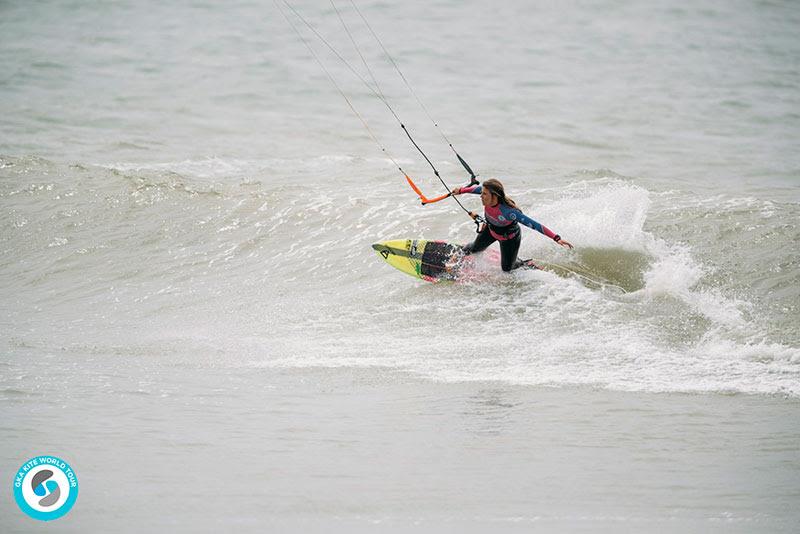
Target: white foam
x=611 y=215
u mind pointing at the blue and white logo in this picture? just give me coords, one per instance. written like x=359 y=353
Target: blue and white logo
x=45 y=487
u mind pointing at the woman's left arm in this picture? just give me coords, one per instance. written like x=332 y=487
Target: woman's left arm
x=517 y=215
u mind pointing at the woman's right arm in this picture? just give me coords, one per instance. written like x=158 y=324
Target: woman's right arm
x=474 y=189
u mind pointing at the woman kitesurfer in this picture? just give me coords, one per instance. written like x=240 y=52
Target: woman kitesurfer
x=502 y=223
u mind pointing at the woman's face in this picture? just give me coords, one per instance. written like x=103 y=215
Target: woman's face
x=488 y=198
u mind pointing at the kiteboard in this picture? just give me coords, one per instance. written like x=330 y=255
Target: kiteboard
x=427 y=260
x=433 y=261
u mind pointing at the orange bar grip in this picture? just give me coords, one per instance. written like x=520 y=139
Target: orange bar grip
x=423 y=198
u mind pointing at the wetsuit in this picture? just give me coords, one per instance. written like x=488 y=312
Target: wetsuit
x=502 y=224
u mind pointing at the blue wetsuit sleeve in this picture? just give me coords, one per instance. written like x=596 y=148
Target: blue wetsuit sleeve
x=474 y=189
x=516 y=215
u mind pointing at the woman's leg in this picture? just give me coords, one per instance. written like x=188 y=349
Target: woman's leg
x=481 y=242
x=508 y=252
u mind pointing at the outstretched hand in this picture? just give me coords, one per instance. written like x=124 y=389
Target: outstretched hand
x=565 y=244
x=456 y=191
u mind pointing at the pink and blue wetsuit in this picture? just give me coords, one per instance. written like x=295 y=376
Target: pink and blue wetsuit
x=503 y=226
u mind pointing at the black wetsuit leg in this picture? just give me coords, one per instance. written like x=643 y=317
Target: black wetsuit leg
x=508 y=252
x=481 y=242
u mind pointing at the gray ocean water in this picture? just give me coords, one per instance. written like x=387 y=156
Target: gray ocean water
x=191 y=313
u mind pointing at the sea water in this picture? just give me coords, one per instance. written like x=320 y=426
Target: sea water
x=192 y=316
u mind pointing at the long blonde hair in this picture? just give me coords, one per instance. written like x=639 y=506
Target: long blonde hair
x=496 y=188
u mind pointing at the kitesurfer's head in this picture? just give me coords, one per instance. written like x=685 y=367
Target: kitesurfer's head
x=493 y=193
